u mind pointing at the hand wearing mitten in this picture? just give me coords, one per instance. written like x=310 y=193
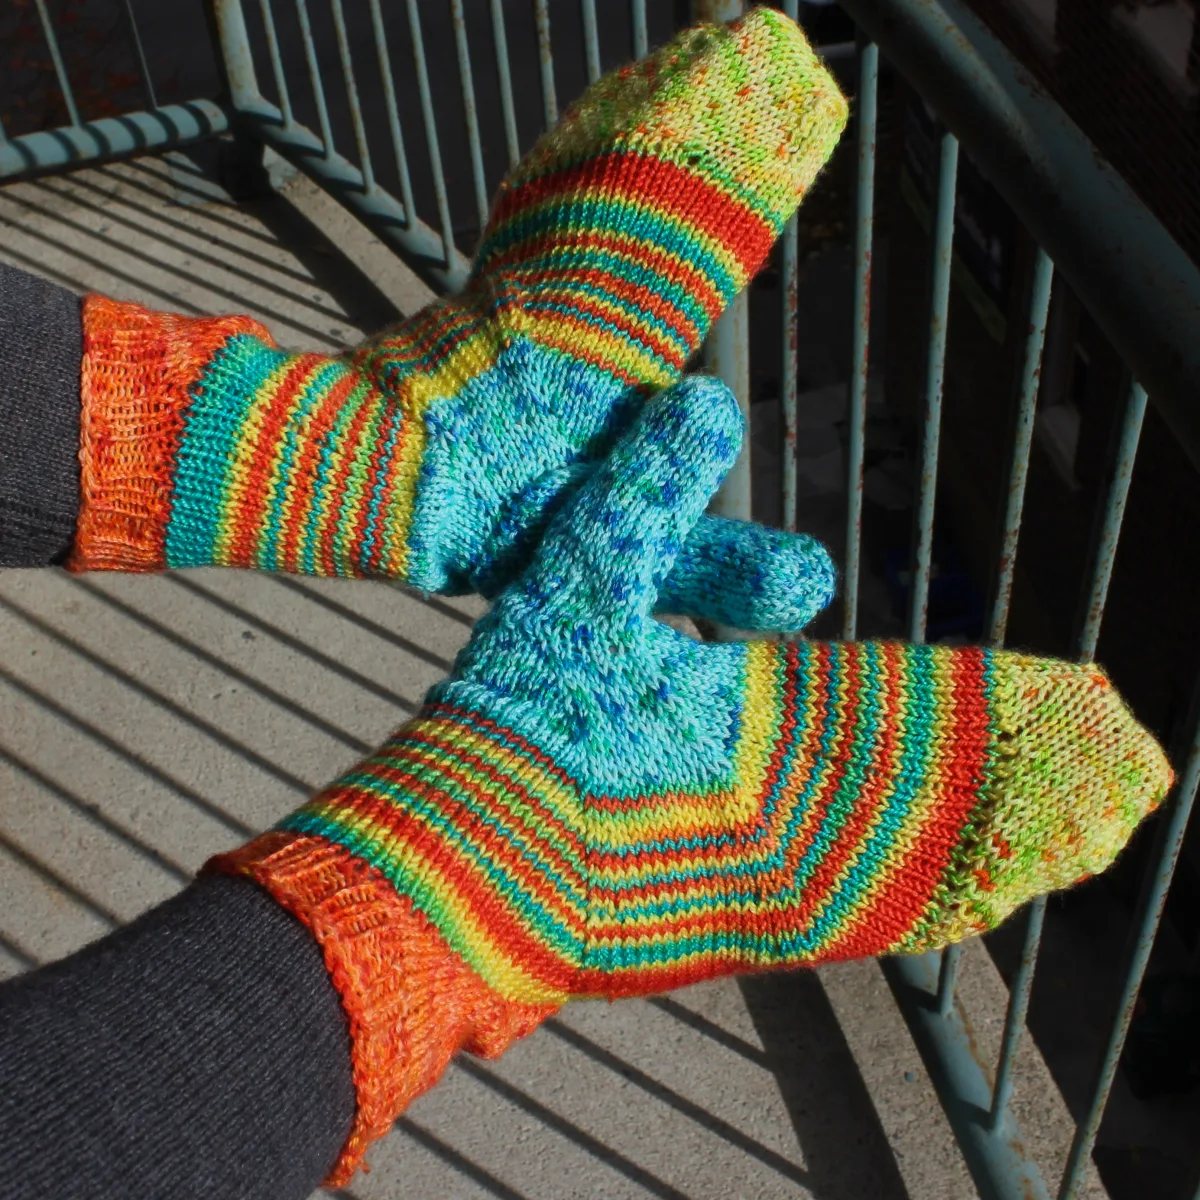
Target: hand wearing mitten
x=596 y=805
x=437 y=452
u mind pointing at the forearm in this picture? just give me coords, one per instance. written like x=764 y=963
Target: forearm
x=40 y=353
x=200 y=1052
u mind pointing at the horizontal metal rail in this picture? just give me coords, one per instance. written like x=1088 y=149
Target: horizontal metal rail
x=110 y=138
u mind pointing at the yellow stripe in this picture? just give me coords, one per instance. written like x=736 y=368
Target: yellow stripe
x=238 y=484
x=330 y=515
x=457 y=923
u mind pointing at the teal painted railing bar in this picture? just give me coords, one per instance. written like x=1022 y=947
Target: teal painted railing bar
x=281 y=84
x=399 y=152
x=641 y=42
x=314 y=76
x=429 y=120
x=996 y=1157
x=789 y=278
x=504 y=74
x=466 y=79
x=541 y=10
x=139 y=54
x=789 y=281
x=356 y=116
x=591 y=39
x=866 y=112
x=1018 y=1010
x=60 y=70
x=34 y=154
x=1110 y=532
x=1035 y=339
x=935 y=367
x=931 y=422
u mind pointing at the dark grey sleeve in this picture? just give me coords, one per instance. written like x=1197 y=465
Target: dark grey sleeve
x=41 y=351
x=200 y=1053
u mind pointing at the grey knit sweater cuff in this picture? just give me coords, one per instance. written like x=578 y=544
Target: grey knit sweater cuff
x=41 y=349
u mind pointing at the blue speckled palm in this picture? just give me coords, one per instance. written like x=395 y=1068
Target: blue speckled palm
x=637 y=707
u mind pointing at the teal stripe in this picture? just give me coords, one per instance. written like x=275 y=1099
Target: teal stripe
x=212 y=429
x=913 y=777
x=593 y=214
x=508 y=889
x=639 y=317
x=632 y=273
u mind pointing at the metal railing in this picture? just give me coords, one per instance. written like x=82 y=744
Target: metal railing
x=1137 y=284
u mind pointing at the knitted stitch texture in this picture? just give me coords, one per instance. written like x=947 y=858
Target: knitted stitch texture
x=594 y=804
x=437 y=452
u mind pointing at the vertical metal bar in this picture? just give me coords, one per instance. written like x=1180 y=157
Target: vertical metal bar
x=943 y=250
x=431 y=135
x=1145 y=927
x=541 y=10
x=789 y=271
x=948 y=978
x=790 y=278
x=360 y=129
x=314 y=76
x=943 y=253
x=1039 y=306
x=140 y=52
x=467 y=80
x=281 y=87
x=1022 y=984
x=236 y=60
x=727 y=355
x=64 y=84
x=384 y=59
x=1118 y=493
x=1018 y=1008
x=511 y=143
x=864 y=234
x=727 y=347
x=591 y=39
x=641 y=42
x=1150 y=914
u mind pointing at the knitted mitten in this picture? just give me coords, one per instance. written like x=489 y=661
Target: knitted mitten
x=437 y=452
x=595 y=804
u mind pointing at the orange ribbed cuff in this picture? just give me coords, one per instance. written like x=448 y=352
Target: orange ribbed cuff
x=410 y=1001
x=137 y=368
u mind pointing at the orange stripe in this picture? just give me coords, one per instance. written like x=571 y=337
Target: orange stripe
x=248 y=515
x=911 y=889
x=136 y=375
x=670 y=189
x=306 y=470
x=650 y=255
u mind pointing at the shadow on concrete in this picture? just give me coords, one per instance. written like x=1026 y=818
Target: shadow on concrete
x=834 y=1123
